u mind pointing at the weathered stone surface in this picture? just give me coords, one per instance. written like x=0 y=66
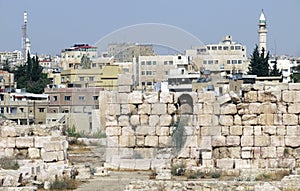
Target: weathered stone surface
x=159 y=109
x=235 y=130
x=218 y=141
x=247 y=141
x=292 y=141
x=127 y=141
x=164 y=141
x=24 y=142
x=294 y=108
x=269 y=96
x=39 y=141
x=165 y=120
x=294 y=86
x=266 y=119
x=205 y=143
x=145 y=130
x=144 y=119
x=113 y=131
x=122 y=98
x=232 y=141
x=228 y=109
x=290 y=96
x=248 y=130
x=162 y=131
x=226 y=120
x=144 y=108
x=269 y=130
x=34 y=153
x=150 y=97
x=153 y=120
x=111 y=120
x=224 y=99
x=234 y=97
x=290 y=119
x=142 y=164
x=135 y=120
x=128 y=109
x=205 y=120
x=254 y=108
x=293 y=130
x=151 y=141
x=124 y=89
x=140 y=140
x=8 y=131
x=205 y=97
x=135 y=97
x=261 y=141
x=112 y=141
x=211 y=131
x=113 y=109
x=54 y=146
x=225 y=163
x=123 y=120
x=249 y=119
x=125 y=79
x=277 y=141
x=49 y=156
x=250 y=96
x=281 y=130
x=166 y=97
x=171 y=109
x=268 y=152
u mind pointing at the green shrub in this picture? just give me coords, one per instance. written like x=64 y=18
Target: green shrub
x=178 y=170
x=73 y=133
x=9 y=163
x=215 y=175
x=63 y=184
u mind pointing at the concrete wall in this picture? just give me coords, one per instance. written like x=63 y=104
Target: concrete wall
x=260 y=130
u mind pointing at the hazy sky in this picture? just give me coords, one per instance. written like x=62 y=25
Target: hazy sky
x=57 y=24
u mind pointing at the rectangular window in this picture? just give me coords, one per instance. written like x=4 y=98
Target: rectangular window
x=165 y=62
x=228 y=61
x=91 y=79
x=81 y=98
x=171 y=62
x=67 y=98
x=148 y=62
x=54 y=98
x=70 y=65
x=216 y=61
x=149 y=73
x=95 y=98
x=239 y=61
x=81 y=79
x=208 y=47
x=204 y=62
x=143 y=73
x=94 y=65
x=62 y=79
x=214 y=48
x=225 y=47
x=166 y=72
x=210 y=62
x=149 y=83
x=143 y=62
x=234 y=62
x=41 y=110
x=154 y=73
x=219 y=47
x=237 y=48
x=231 y=47
x=154 y=63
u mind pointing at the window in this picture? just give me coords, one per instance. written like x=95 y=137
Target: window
x=214 y=48
x=171 y=62
x=231 y=47
x=210 y=62
x=154 y=63
x=208 y=47
x=143 y=83
x=228 y=61
x=149 y=73
x=148 y=62
x=153 y=73
x=67 y=98
x=166 y=72
x=125 y=70
x=143 y=73
x=91 y=79
x=149 y=83
x=94 y=65
x=81 y=98
x=81 y=79
x=41 y=110
x=204 y=62
x=225 y=47
x=54 y=98
x=95 y=98
x=21 y=109
x=219 y=47
x=165 y=62
x=237 y=48
x=143 y=62
x=216 y=61
x=62 y=79
x=239 y=61
x=234 y=62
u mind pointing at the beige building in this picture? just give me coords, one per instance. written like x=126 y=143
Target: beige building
x=24 y=108
x=226 y=55
x=150 y=69
x=7 y=82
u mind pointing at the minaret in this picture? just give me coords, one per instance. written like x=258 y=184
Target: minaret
x=262 y=32
x=25 y=39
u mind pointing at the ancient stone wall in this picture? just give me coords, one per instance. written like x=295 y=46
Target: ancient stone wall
x=260 y=129
x=40 y=151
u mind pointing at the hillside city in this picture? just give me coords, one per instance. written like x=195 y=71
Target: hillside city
x=120 y=93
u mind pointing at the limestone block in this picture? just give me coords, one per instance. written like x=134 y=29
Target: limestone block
x=269 y=96
x=49 y=156
x=159 y=109
x=113 y=109
x=224 y=99
x=150 y=97
x=8 y=142
x=276 y=86
x=290 y=96
x=144 y=108
x=145 y=130
x=125 y=79
x=218 y=141
x=268 y=108
x=8 y=131
x=228 y=109
x=268 y=152
x=254 y=108
x=112 y=141
x=113 y=131
x=54 y=146
x=281 y=107
x=111 y=120
x=205 y=120
x=191 y=141
x=135 y=97
x=123 y=120
x=247 y=153
x=258 y=86
x=225 y=163
x=128 y=109
x=250 y=96
x=294 y=108
x=126 y=153
x=122 y=98
x=281 y=130
x=205 y=97
x=249 y=119
x=237 y=120
x=258 y=130
x=9 y=152
x=266 y=119
x=110 y=153
x=140 y=140
x=294 y=86
x=205 y=143
x=163 y=174
x=243 y=108
x=151 y=141
x=164 y=141
x=191 y=130
x=293 y=130
x=290 y=119
x=39 y=141
x=166 y=97
x=256 y=152
x=162 y=131
x=10 y=180
x=208 y=163
x=153 y=120
x=184 y=153
x=278 y=120
x=288 y=164
x=261 y=141
x=242 y=164
x=277 y=141
x=269 y=130
x=226 y=120
x=135 y=120
x=207 y=108
x=171 y=109
x=234 y=97
x=211 y=131
x=217 y=108
x=165 y=120
x=292 y=141
x=109 y=97
x=34 y=153
x=232 y=141
x=236 y=130
x=61 y=155
x=24 y=142
x=127 y=163
x=224 y=130
x=124 y=89
x=248 y=130
x=247 y=141
x=127 y=141
x=142 y=164
x=144 y=119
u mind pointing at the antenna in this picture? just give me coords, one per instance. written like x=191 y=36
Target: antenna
x=25 y=39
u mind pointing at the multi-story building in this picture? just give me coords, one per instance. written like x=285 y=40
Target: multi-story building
x=227 y=55
x=71 y=57
x=76 y=107
x=24 y=108
x=7 y=82
x=14 y=58
x=125 y=52
x=148 y=70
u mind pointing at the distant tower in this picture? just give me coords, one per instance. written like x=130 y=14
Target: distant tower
x=262 y=32
x=25 y=39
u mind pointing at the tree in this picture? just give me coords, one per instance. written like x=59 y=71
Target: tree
x=6 y=66
x=30 y=76
x=296 y=75
x=259 y=63
x=275 y=71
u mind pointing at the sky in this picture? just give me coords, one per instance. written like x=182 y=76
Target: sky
x=58 y=24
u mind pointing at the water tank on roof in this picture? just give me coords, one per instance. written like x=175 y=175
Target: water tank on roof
x=210 y=87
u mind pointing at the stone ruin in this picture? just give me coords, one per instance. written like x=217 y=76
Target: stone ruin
x=40 y=151
x=257 y=130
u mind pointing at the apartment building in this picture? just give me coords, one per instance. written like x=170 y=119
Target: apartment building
x=7 y=82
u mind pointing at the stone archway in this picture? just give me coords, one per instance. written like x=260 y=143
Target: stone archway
x=185 y=102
